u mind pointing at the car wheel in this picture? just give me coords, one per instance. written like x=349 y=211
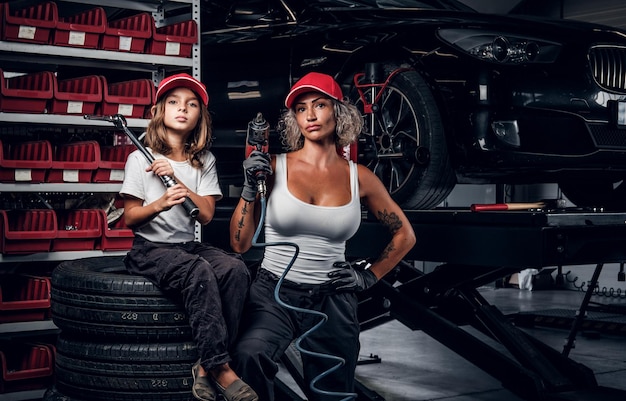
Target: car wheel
x=601 y=194
x=403 y=142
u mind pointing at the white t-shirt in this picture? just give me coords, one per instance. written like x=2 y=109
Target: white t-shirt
x=174 y=225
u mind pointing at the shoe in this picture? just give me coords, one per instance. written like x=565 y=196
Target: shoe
x=202 y=388
x=238 y=391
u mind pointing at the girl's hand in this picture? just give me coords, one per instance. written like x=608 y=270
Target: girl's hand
x=161 y=167
x=173 y=196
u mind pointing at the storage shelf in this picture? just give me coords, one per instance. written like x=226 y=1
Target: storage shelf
x=141 y=5
x=66 y=120
x=24 y=395
x=27 y=327
x=60 y=187
x=58 y=256
x=48 y=54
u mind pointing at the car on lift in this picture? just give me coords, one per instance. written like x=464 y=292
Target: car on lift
x=449 y=95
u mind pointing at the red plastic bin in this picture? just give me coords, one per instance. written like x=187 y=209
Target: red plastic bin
x=77 y=230
x=129 y=98
x=24 y=298
x=81 y=30
x=27 y=93
x=74 y=162
x=26 y=367
x=25 y=161
x=76 y=95
x=32 y=24
x=27 y=231
x=173 y=40
x=112 y=162
x=117 y=236
x=128 y=34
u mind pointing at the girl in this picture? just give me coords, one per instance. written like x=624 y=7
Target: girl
x=211 y=283
x=314 y=199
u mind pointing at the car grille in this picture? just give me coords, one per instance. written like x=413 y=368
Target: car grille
x=606 y=137
x=608 y=66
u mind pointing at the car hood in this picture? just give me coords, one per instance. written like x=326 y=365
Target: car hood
x=315 y=18
x=385 y=18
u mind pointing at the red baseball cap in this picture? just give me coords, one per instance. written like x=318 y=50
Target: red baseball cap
x=182 y=80
x=314 y=82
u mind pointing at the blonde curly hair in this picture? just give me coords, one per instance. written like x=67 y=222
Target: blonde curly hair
x=349 y=125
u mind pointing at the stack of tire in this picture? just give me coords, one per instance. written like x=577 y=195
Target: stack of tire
x=121 y=338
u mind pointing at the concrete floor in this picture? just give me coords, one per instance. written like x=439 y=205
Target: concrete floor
x=416 y=367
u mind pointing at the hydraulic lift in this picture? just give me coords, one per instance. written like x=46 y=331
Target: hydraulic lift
x=475 y=249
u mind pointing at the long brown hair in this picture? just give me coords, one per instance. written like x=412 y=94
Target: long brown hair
x=198 y=141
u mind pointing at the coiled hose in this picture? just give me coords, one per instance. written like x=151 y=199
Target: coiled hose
x=323 y=317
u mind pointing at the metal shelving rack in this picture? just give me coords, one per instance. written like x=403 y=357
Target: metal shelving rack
x=45 y=55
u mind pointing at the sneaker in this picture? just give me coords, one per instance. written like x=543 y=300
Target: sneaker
x=202 y=388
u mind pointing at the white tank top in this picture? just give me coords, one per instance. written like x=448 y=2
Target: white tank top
x=321 y=232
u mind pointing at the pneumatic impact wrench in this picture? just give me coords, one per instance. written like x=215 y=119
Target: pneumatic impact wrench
x=257 y=138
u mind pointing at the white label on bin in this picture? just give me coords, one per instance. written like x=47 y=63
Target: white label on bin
x=70 y=175
x=125 y=42
x=23 y=174
x=26 y=32
x=76 y=38
x=116 y=175
x=125 y=109
x=74 y=107
x=172 y=49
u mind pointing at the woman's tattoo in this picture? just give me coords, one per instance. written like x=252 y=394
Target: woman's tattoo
x=391 y=220
x=244 y=211
x=385 y=254
x=393 y=223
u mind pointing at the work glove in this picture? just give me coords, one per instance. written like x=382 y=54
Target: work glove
x=349 y=278
x=257 y=166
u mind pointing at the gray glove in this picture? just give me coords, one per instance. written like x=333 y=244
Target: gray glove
x=349 y=278
x=255 y=167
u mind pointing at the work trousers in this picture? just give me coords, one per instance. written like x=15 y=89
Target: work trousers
x=211 y=284
x=269 y=328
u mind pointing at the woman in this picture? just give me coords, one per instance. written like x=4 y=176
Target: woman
x=314 y=199
x=211 y=283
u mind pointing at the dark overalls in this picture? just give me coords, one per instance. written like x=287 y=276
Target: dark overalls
x=211 y=283
x=268 y=328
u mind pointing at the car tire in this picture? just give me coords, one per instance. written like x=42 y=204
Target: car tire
x=97 y=297
x=124 y=371
x=405 y=145
x=607 y=195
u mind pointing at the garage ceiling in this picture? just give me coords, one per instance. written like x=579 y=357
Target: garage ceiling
x=607 y=12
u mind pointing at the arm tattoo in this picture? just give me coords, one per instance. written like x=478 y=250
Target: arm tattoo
x=393 y=223
x=244 y=211
x=391 y=220
x=385 y=254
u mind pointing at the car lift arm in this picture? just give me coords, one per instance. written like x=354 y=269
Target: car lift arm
x=440 y=302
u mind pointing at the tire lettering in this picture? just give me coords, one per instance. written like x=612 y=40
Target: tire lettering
x=130 y=316
x=159 y=383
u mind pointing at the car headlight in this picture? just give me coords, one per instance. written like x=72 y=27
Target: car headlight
x=501 y=47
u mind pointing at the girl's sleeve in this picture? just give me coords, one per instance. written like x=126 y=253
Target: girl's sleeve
x=134 y=172
x=209 y=183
